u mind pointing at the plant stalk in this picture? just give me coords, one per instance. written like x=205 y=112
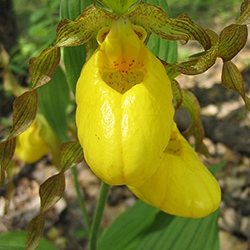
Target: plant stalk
x=81 y=200
x=95 y=229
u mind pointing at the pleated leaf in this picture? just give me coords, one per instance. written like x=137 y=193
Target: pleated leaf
x=73 y=57
x=15 y=240
x=53 y=102
x=143 y=227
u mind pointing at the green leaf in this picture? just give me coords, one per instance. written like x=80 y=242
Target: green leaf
x=51 y=191
x=143 y=227
x=231 y=40
x=43 y=67
x=232 y=79
x=73 y=57
x=157 y=21
x=71 y=154
x=53 y=102
x=217 y=168
x=15 y=240
x=127 y=230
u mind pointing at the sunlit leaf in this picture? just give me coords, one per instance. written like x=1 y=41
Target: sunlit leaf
x=43 y=67
x=73 y=57
x=232 y=39
x=54 y=106
x=232 y=79
x=74 y=33
x=35 y=232
x=143 y=227
x=71 y=154
x=25 y=108
x=51 y=191
x=157 y=21
x=245 y=13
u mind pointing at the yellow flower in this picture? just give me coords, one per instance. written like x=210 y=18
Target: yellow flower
x=124 y=107
x=182 y=185
x=30 y=144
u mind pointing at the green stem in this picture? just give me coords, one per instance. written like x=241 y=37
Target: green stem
x=94 y=233
x=81 y=200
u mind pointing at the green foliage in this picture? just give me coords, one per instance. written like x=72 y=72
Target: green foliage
x=73 y=57
x=15 y=240
x=55 y=106
x=143 y=227
x=36 y=21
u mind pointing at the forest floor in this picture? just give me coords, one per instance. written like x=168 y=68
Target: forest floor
x=62 y=224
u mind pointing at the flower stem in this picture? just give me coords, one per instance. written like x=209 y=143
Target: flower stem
x=98 y=216
x=81 y=200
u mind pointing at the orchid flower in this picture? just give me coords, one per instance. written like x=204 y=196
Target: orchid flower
x=124 y=106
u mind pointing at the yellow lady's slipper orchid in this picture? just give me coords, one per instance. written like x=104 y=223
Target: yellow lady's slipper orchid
x=182 y=185
x=30 y=144
x=124 y=107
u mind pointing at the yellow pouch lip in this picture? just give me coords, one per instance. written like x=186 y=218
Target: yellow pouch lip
x=123 y=135
x=182 y=185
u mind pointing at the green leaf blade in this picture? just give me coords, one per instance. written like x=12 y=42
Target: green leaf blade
x=73 y=57
x=53 y=102
x=143 y=227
